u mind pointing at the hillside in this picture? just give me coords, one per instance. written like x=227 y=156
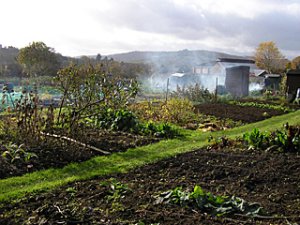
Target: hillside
x=8 y=55
x=182 y=60
x=149 y=56
x=161 y=62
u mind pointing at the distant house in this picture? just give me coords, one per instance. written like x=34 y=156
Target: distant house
x=204 y=68
x=237 y=76
x=257 y=76
x=231 y=73
x=219 y=66
x=215 y=75
x=272 y=81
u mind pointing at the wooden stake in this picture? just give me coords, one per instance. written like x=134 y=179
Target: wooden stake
x=76 y=142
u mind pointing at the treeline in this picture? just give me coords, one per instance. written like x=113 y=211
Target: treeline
x=8 y=63
x=38 y=60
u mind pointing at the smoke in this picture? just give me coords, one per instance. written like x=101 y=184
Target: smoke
x=178 y=68
x=188 y=68
x=255 y=87
x=210 y=82
x=158 y=82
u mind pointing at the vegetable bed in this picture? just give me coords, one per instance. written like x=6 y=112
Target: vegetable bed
x=270 y=180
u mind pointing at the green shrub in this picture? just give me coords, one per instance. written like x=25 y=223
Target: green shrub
x=175 y=110
x=194 y=93
x=125 y=120
x=162 y=130
x=117 y=120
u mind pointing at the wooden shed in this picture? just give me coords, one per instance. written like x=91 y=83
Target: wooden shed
x=293 y=82
x=237 y=81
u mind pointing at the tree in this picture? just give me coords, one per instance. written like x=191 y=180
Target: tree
x=295 y=64
x=269 y=58
x=38 y=59
x=98 y=57
x=91 y=93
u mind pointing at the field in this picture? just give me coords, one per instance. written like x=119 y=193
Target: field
x=272 y=180
x=173 y=163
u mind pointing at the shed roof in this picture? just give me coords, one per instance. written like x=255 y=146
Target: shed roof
x=177 y=74
x=234 y=64
x=272 y=75
x=259 y=73
x=293 y=72
x=236 y=60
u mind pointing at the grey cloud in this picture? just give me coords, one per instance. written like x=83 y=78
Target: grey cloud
x=188 y=23
x=155 y=16
x=282 y=28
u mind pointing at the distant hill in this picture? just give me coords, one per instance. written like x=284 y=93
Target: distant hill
x=162 y=62
x=148 y=56
x=8 y=63
x=174 y=61
x=8 y=55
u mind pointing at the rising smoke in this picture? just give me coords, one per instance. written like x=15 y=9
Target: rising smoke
x=177 y=67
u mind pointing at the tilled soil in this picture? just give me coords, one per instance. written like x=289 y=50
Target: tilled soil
x=270 y=179
x=245 y=114
x=59 y=154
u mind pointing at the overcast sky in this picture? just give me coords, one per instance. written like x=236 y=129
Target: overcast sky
x=88 y=27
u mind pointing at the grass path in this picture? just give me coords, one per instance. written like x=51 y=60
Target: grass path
x=17 y=187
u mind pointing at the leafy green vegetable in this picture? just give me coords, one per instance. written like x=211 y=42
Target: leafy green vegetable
x=17 y=152
x=286 y=140
x=255 y=139
x=208 y=202
x=262 y=106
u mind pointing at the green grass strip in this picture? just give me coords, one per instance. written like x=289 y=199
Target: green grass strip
x=17 y=187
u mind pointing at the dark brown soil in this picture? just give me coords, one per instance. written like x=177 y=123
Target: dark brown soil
x=270 y=179
x=245 y=114
x=59 y=154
